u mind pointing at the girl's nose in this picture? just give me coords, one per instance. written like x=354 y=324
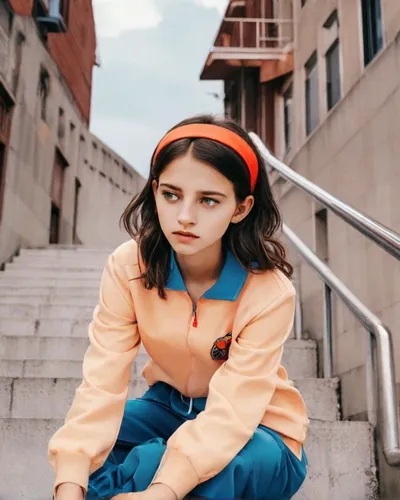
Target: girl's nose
x=187 y=215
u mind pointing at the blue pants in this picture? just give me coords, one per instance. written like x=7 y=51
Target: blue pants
x=265 y=469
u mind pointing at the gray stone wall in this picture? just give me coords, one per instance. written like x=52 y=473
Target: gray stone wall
x=353 y=154
x=107 y=181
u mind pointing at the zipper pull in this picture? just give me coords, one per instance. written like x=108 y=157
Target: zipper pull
x=194 y=324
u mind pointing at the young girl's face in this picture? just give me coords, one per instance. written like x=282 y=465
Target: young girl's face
x=195 y=198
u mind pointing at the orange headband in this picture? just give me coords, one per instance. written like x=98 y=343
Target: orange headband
x=218 y=134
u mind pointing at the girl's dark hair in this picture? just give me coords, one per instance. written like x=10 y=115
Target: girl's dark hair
x=250 y=241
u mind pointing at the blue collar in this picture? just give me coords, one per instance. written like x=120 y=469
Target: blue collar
x=227 y=287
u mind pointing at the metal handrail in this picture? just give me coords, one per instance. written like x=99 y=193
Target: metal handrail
x=384 y=395
x=372 y=229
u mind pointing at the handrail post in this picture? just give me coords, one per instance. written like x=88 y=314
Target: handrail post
x=372 y=388
x=258 y=29
x=387 y=401
x=328 y=362
x=385 y=393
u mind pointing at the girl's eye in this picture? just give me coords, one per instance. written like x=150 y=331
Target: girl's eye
x=210 y=202
x=170 y=196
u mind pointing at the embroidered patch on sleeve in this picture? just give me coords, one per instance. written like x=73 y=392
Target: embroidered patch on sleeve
x=220 y=348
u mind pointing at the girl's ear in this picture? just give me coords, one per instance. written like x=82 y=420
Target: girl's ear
x=243 y=209
x=154 y=186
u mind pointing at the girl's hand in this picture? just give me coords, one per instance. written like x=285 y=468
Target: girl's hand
x=155 y=492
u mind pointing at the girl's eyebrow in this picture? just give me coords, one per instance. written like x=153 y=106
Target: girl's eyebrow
x=206 y=193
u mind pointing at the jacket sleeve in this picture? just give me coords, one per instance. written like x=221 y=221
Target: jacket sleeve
x=92 y=424
x=239 y=393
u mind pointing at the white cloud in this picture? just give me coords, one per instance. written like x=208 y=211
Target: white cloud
x=149 y=77
x=219 y=4
x=116 y=16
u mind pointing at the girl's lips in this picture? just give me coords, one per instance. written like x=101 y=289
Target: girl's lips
x=184 y=238
x=181 y=233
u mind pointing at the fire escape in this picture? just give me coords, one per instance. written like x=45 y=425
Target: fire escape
x=253 y=46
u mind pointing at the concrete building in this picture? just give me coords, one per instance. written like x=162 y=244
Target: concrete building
x=58 y=182
x=318 y=81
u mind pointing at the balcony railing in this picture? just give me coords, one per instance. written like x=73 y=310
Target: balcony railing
x=254 y=35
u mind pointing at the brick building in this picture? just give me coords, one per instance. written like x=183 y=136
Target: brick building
x=319 y=82
x=58 y=182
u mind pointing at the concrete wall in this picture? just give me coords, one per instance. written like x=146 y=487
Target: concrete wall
x=108 y=185
x=354 y=154
x=74 y=51
x=107 y=181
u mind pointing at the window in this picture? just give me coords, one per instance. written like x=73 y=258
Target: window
x=333 y=90
x=2 y=175
x=64 y=10
x=44 y=90
x=39 y=11
x=75 y=238
x=321 y=234
x=19 y=43
x=372 y=28
x=6 y=107
x=288 y=117
x=312 y=94
x=61 y=124
x=6 y=110
x=56 y=195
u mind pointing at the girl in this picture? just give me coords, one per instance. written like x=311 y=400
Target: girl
x=205 y=287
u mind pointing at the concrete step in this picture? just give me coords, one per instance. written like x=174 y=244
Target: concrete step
x=42 y=368
x=321 y=397
x=46 y=260
x=299 y=357
x=57 y=263
x=49 y=326
x=330 y=477
x=341 y=459
x=52 y=397
x=58 y=250
x=49 y=299
x=76 y=266
x=39 y=348
x=53 y=273
x=38 y=311
x=22 y=290
x=46 y=398
x=56 y=369
x=58 y=282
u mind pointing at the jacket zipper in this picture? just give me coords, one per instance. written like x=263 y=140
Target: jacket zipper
x=195 y=322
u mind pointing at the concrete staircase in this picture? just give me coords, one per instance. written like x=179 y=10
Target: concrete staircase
x=47 y=298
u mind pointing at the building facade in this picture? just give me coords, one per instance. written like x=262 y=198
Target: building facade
x=319 y=82
x=58 y=182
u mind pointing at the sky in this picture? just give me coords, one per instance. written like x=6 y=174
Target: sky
x=151 y=54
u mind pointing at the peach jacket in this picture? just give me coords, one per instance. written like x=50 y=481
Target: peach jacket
x=227 y=347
